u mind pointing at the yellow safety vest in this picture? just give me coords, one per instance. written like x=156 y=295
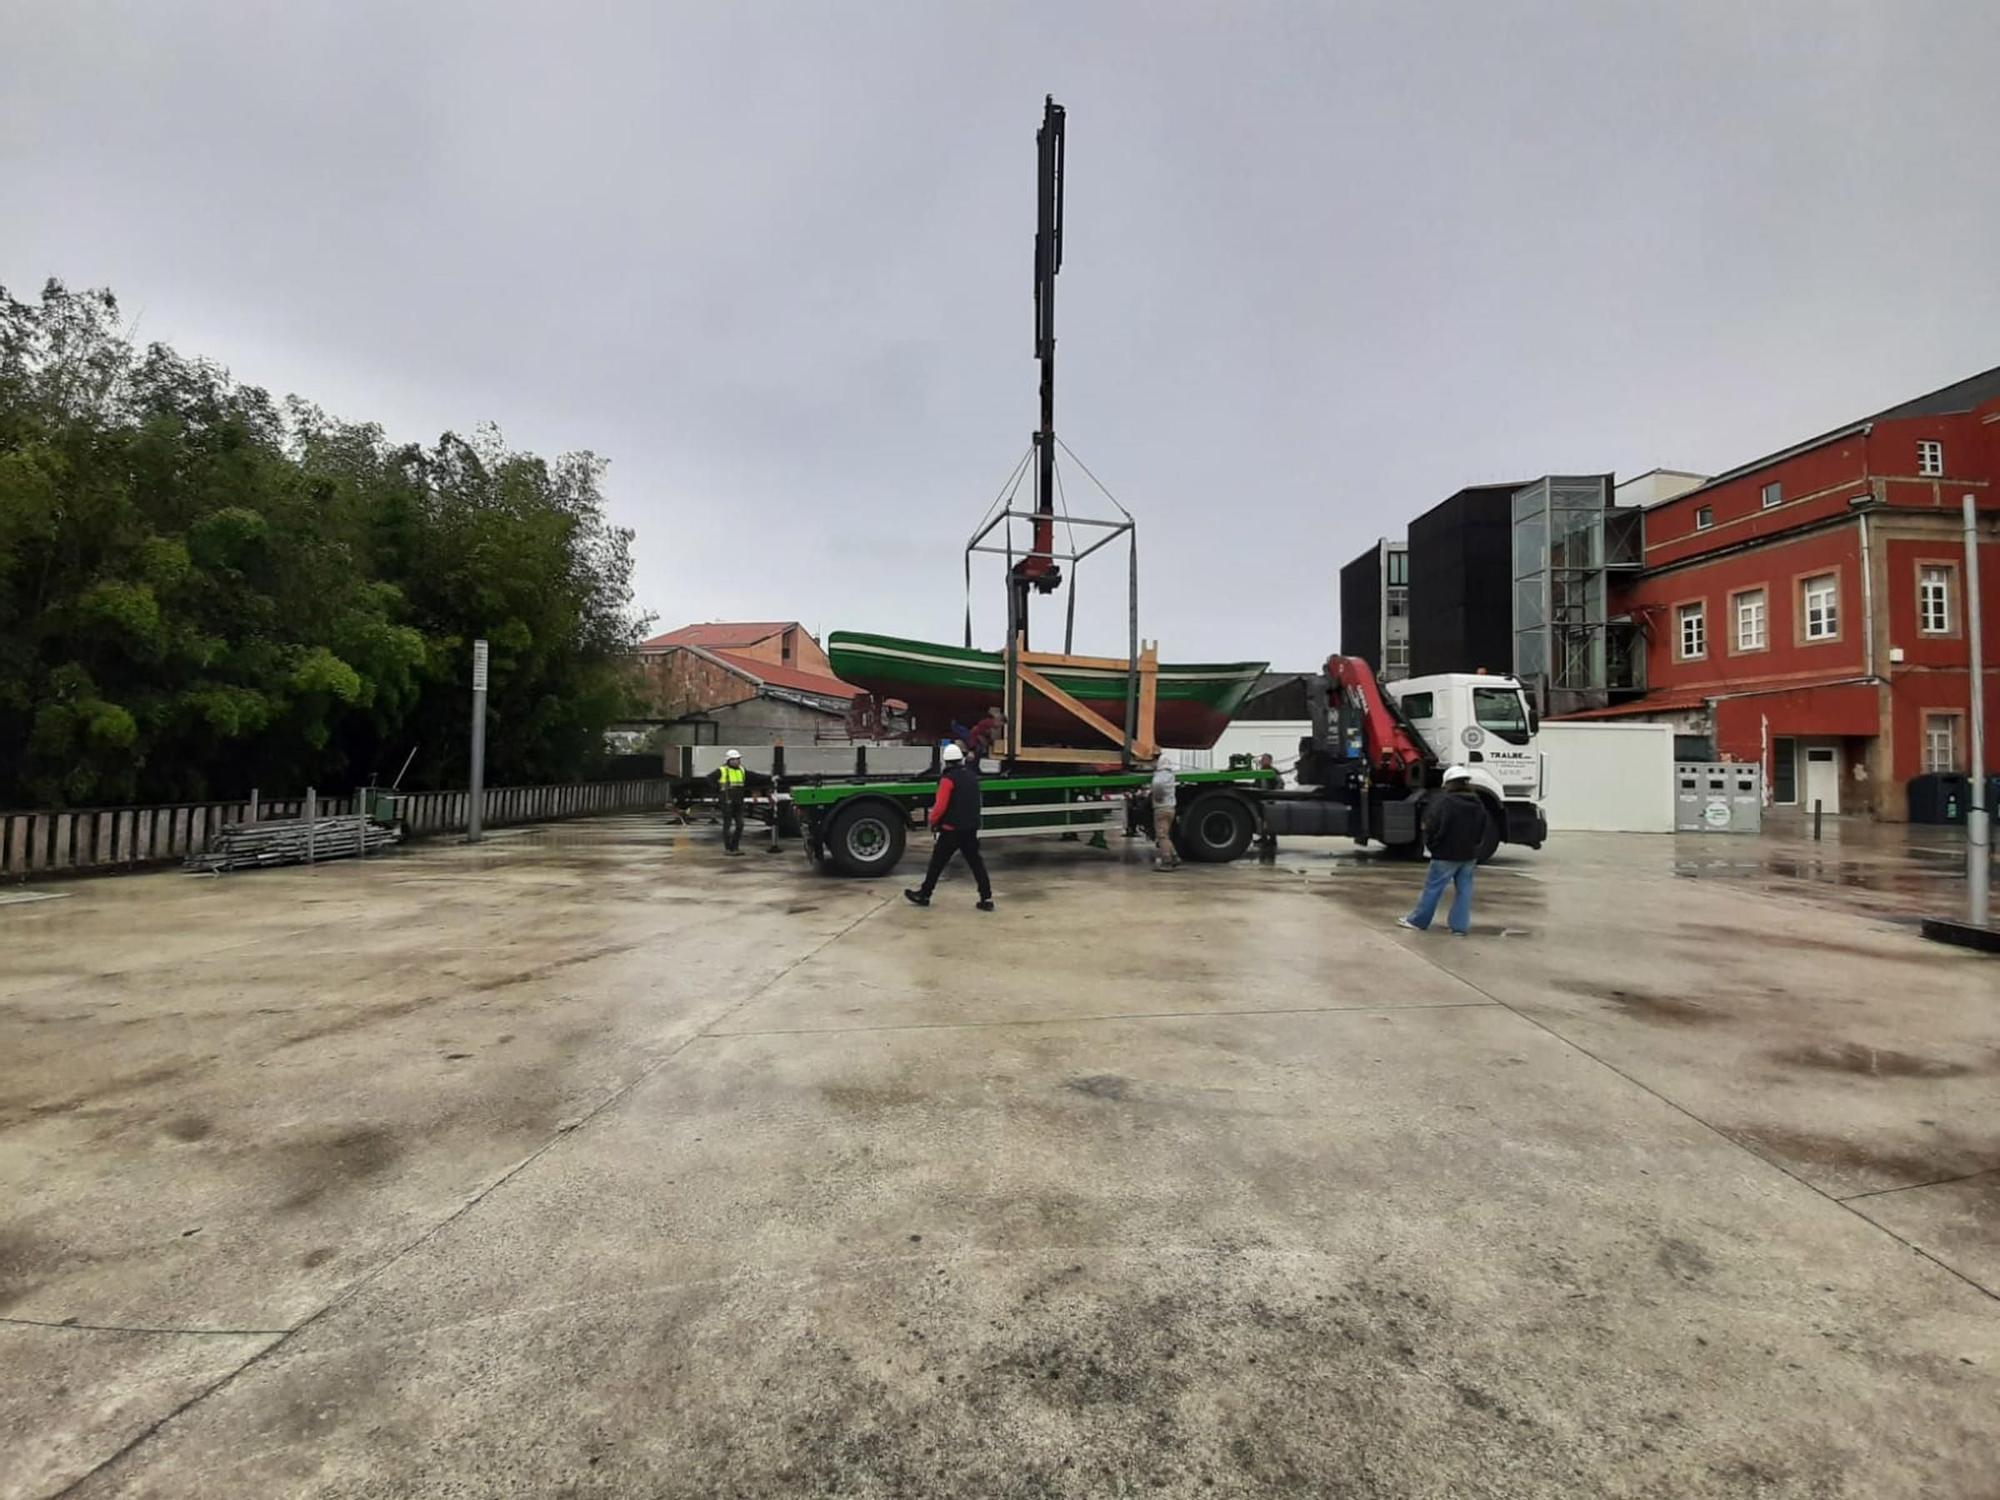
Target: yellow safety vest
x=732 y=776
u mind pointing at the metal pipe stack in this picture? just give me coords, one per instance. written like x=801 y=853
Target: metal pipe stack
x=293 y=841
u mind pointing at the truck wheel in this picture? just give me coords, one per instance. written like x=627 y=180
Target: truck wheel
x=1215 y=829
x=1490 y=845
x=866 y=839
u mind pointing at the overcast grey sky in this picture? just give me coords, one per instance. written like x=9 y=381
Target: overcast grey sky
x=1324 y=264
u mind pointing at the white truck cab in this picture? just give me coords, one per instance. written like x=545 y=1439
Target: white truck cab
x=1478 y=720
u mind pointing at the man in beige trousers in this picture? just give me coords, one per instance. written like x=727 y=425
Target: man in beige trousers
x=1165 y=856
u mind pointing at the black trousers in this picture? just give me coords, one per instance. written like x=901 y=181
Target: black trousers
x=949 y=842
x=732 y=821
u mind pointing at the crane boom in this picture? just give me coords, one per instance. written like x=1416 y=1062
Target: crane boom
x=1038 y=570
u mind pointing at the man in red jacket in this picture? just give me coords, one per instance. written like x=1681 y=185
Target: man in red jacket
x=955 y=818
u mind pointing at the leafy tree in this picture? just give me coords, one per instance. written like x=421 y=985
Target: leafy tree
x=204 y=590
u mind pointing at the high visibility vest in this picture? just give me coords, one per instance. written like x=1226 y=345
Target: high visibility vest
x=732 y=776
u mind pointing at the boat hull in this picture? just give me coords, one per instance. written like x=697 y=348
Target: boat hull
x=943 y=684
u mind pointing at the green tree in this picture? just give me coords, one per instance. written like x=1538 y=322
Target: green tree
x=204 y=590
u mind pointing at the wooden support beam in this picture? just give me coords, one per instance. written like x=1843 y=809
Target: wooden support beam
x=1145 y=743
x=1088 y=717
x=1054 y=659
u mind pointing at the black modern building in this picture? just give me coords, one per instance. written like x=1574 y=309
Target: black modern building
x=1461 y=574
x=1361 y=608
x=1375 y=609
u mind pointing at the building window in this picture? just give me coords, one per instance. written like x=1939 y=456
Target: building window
x=1940 y=742
x=1784 y=770
x=1704 y=518
x=1930 y=458
x=1399 y=567
x=1934 y=599
x=1750 y=620
x=1398 y=603
x=1694 y=631
x=1822 y=608
x=1774 y=494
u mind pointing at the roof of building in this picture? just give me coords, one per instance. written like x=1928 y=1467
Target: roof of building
x=1959 y=396
x=1663 y=703
x=721 y=634
x=771 y=674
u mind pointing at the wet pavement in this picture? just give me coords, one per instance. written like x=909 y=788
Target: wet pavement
x=592 y=1162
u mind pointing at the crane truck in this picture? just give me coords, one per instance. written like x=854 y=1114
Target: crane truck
x=1371 y=764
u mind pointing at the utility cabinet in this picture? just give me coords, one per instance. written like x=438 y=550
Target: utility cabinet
x=1718 y=796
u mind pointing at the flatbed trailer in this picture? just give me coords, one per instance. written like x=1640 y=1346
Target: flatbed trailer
x=862 y=827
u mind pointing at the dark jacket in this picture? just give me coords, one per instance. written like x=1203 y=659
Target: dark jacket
x=957 y=805
x=1455 y=826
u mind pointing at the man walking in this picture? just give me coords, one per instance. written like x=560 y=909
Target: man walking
x=955 y=820
x=1454 y=830
x=729 y=792
x=1165 y=784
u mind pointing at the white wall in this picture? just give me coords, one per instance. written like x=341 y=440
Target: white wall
x=1608 y=777
x=825 y=760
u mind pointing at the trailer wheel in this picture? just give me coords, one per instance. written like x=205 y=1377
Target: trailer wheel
x=866 y=839
x=1215 y=829
x=1495 y=822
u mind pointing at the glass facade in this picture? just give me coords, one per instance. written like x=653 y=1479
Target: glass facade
x=1568 y=537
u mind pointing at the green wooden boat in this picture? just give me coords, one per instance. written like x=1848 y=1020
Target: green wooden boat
x=943 y=684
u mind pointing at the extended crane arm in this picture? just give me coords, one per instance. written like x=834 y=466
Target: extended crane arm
x=1391 y=746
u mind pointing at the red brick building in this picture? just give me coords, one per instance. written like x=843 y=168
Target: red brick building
x=1807 y=611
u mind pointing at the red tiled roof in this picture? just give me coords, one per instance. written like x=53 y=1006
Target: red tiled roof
x=721 y=634
x=779 y=676
x=1663 y=704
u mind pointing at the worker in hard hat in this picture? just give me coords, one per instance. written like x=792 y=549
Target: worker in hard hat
x=1454 y=832
x=1165 y=790
x=729 y=793
x=955 y=819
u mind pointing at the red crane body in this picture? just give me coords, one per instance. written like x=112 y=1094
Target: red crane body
x=1393 y=753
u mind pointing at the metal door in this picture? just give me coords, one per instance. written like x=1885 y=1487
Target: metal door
x=1823 y=777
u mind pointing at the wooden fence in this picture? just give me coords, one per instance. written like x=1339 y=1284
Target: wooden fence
x=110 y=838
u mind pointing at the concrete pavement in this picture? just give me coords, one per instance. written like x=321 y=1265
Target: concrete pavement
x=590 y=1162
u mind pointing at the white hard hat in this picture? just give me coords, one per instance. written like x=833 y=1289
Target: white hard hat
x=953 y=755
x=734 y=755
x=1456 y=773
x=1166 y=761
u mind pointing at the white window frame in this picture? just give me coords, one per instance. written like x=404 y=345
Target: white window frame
x=1773 y=495
x=1827 y=628
x=1704 y=517
x=1693 y=642
x=1930 y=458
x=1949 y=743
x=1745 y=601
x=1933 y=599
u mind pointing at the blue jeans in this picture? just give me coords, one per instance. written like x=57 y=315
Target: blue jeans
x=1444 y=872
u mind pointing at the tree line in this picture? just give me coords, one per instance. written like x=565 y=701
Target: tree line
x=205 y=590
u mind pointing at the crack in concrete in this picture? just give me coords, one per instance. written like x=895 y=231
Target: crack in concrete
x=1911 y=1187
x=1720 y=1134
x=1138 y=1015
x=356 y=1287
x=72 y=1326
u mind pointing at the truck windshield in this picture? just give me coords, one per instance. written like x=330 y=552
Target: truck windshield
x=1500 y=711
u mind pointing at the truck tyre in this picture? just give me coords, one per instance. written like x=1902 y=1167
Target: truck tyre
x=1495 y=822
x=1215 y=829
x=866 y=839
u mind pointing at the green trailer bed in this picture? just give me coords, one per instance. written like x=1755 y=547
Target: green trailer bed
x=862 y=827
